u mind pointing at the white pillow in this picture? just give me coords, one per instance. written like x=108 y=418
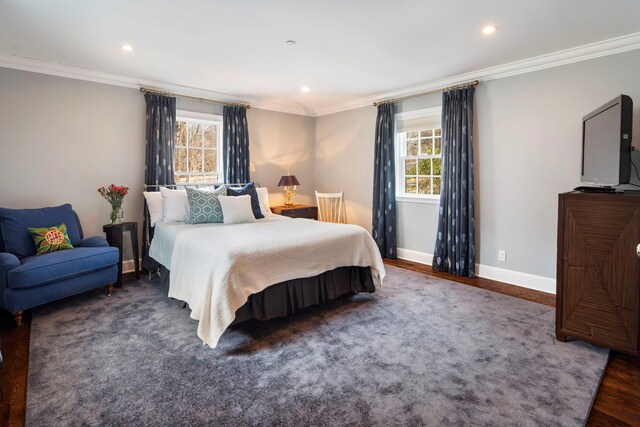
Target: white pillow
x=175 y=205
x=263 y=196
x=236 y=209
x=154 y=204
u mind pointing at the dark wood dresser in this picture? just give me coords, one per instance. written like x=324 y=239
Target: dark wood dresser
x=296 y=211
x=598 y=277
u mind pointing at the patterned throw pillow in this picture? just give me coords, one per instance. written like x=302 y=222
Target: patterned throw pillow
x=50 y=239
x=204 y=205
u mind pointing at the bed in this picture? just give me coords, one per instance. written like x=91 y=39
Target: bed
x=271 y=268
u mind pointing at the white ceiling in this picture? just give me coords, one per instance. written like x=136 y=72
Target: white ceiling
x=346 y=50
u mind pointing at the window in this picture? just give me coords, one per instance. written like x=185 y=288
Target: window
x=198 y=151
x=419 y=154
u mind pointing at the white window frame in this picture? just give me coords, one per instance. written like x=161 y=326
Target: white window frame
x=400 y=149
x=207 y=118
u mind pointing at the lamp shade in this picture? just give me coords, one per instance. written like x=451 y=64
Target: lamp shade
x=288 y=180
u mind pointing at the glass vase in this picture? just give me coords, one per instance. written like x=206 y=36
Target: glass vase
x=117 y=216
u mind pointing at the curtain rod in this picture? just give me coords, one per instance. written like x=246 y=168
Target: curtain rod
x=160 y=92
x=444 y=89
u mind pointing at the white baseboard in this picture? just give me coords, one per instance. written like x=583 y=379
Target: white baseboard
x=525 y=280
x=415 y=256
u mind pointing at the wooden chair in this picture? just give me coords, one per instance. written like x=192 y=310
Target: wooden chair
x=331 y=207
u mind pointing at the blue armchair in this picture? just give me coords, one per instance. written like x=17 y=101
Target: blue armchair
x=27 y=280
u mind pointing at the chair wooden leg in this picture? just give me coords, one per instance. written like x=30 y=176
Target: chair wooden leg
x=18 y=318
x=109 y=289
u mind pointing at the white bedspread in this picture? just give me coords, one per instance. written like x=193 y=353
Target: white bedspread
x=214 y=267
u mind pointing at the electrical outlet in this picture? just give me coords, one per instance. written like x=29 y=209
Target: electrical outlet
x=502 y=256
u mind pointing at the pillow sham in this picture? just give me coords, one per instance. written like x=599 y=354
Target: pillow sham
x=175 y=205
x=50 y=239
x=263 y=197
x=154 y=205
x=250 y=190
x=204 y=206
x=236 y=209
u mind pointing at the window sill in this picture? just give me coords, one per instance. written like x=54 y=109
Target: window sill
x=415 y=199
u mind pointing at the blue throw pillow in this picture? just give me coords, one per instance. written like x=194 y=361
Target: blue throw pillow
x=15 y=222
x=249 y=189
x=204 y=205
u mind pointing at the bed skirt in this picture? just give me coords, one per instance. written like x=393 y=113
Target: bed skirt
x=286 y=298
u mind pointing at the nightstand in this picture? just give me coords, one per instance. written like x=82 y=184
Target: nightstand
x=115 y=236
x=296 y=211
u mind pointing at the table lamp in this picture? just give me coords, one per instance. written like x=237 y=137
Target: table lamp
x=289 y=183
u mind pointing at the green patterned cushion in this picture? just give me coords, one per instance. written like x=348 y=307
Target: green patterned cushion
x=50 y=239
x=204 y=205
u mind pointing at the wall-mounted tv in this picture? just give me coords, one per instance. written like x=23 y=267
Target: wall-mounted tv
x=606 y=143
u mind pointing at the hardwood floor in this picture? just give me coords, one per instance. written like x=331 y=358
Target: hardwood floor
x=13 y=374
x=617 y=402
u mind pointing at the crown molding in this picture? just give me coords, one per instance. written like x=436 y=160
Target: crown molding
x=580 y=53
x=562 y=57
x=79 y=73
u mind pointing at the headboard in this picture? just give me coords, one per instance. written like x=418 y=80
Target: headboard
x=193 y=184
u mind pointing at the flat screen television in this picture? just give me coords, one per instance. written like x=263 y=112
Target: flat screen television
x=606 y=143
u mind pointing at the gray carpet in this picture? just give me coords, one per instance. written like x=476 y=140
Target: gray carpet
x=421 y=351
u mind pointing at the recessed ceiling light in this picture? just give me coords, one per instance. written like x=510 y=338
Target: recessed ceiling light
x=127 y=47
x=304 y=89
x=291 y=42
x=489 y=29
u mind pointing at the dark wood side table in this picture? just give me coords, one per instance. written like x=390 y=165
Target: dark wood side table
x=296 y=211
x=114 y=236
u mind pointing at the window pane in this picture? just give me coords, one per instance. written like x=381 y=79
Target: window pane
x=424 y=185
x=210 y=134
x=409 y=167
x=424 y=167
x=181 y=133
x=410 y=185
x=412 y=147
x=195 y=134
x=436 y=167
x=438 y=146
x=412 y=135
x=201 y=179
x=182 y=178
x=426 y=146
x=426 y=133
x=436 y=186
x=209 y=160
x=438 y=132
x=195 y=160
x=181 y=160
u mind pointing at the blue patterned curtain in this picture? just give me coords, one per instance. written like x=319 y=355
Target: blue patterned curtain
x=236 y=145
x=160 y=142
x=384 y=186
x=455 y=243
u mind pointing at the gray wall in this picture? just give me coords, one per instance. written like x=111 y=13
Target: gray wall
x=61 y=139
x=344 y=160
x=282 y=142
x=528 y=149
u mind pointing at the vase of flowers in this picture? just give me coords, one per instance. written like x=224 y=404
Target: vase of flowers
x=114 y=195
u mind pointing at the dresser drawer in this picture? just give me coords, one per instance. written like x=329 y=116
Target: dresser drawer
x=296 y=211
x=301 y=213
